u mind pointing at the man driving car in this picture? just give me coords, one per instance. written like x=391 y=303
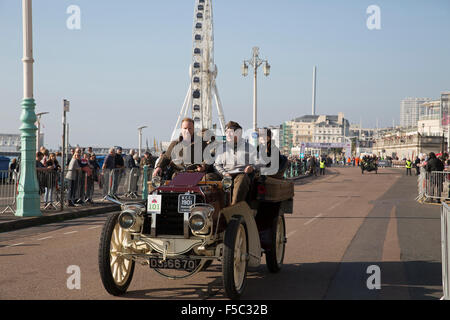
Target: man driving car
x=185 y=153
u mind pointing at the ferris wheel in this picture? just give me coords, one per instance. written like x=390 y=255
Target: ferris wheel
x=203 y=73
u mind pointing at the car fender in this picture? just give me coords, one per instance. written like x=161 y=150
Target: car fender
x=254 y=243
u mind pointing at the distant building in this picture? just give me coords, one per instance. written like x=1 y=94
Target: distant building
x=429 y=123
x=315 y=131
x=407 y=143
x=10 y=143
x=410 y=111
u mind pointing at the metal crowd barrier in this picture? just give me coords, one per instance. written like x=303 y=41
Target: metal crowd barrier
x=437 y=185
x=398 y=164
x=126 y=183
x=433 y=186
x=80 y=187
x=49 y=184
x=8 y=191
x=445 y=240
x=294 y=169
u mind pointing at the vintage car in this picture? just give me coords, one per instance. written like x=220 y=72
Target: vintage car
x=369 y=164
x=188 y=222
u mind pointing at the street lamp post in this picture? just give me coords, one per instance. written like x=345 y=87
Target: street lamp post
x=255 y=62
x=28 y=199
x=38 y=137
x=140 y=138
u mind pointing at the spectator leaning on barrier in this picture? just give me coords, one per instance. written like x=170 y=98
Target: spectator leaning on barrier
x=89 y=178
x=108 y=166
x=72 y=152
x=39 y=157
x=417 y=165
x=52 y=178
x=434 y=164
x=129 y=161
x=118 y=172
x=72 y=176
x=84 y=165
x=40 y=172
x=132 y=174
x=13 y=170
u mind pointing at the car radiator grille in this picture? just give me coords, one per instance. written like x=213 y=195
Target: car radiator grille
x=169 y=222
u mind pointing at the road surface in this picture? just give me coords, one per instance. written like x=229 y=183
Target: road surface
x=343 y=223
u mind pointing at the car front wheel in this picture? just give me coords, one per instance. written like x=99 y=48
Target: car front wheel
x=116 y=271
x=235 y=258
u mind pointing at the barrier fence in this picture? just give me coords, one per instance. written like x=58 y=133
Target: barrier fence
x=8 y=186
x=433 y=186
x=445 y=240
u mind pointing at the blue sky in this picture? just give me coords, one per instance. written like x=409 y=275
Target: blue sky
x=128 y=65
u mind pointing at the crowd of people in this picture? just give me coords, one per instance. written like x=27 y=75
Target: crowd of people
x=430 y=162
x=83 y=171
x=116 y=167
x=310 y=165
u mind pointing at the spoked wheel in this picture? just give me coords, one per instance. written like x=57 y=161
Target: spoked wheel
x=116 y=272
x=235 y=258
x=275 y=256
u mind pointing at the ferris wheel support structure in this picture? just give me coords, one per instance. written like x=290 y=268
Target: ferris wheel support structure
x=203 y=73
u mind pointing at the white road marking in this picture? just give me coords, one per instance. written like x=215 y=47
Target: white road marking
x=329 y=209
x=71 y=232
x=44 y=238
x=309 y=221
x=94 y=227
x=291 y=233
x=14 y=245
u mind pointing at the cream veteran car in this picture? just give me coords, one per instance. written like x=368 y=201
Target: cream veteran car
x=187 y=223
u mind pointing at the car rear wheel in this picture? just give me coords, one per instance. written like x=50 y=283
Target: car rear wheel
x=116 y=271
x=275 y=256
x=235 y=258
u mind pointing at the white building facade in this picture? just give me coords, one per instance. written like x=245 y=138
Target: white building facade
x=410 y=111
x=10 y=142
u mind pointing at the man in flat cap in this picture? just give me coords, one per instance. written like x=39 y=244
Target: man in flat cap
x=237 y=159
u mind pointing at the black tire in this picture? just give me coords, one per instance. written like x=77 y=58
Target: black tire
x=273 y=263
x=104 y=260
x=234 y=226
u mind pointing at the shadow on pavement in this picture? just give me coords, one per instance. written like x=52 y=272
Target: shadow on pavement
x=415 y=280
